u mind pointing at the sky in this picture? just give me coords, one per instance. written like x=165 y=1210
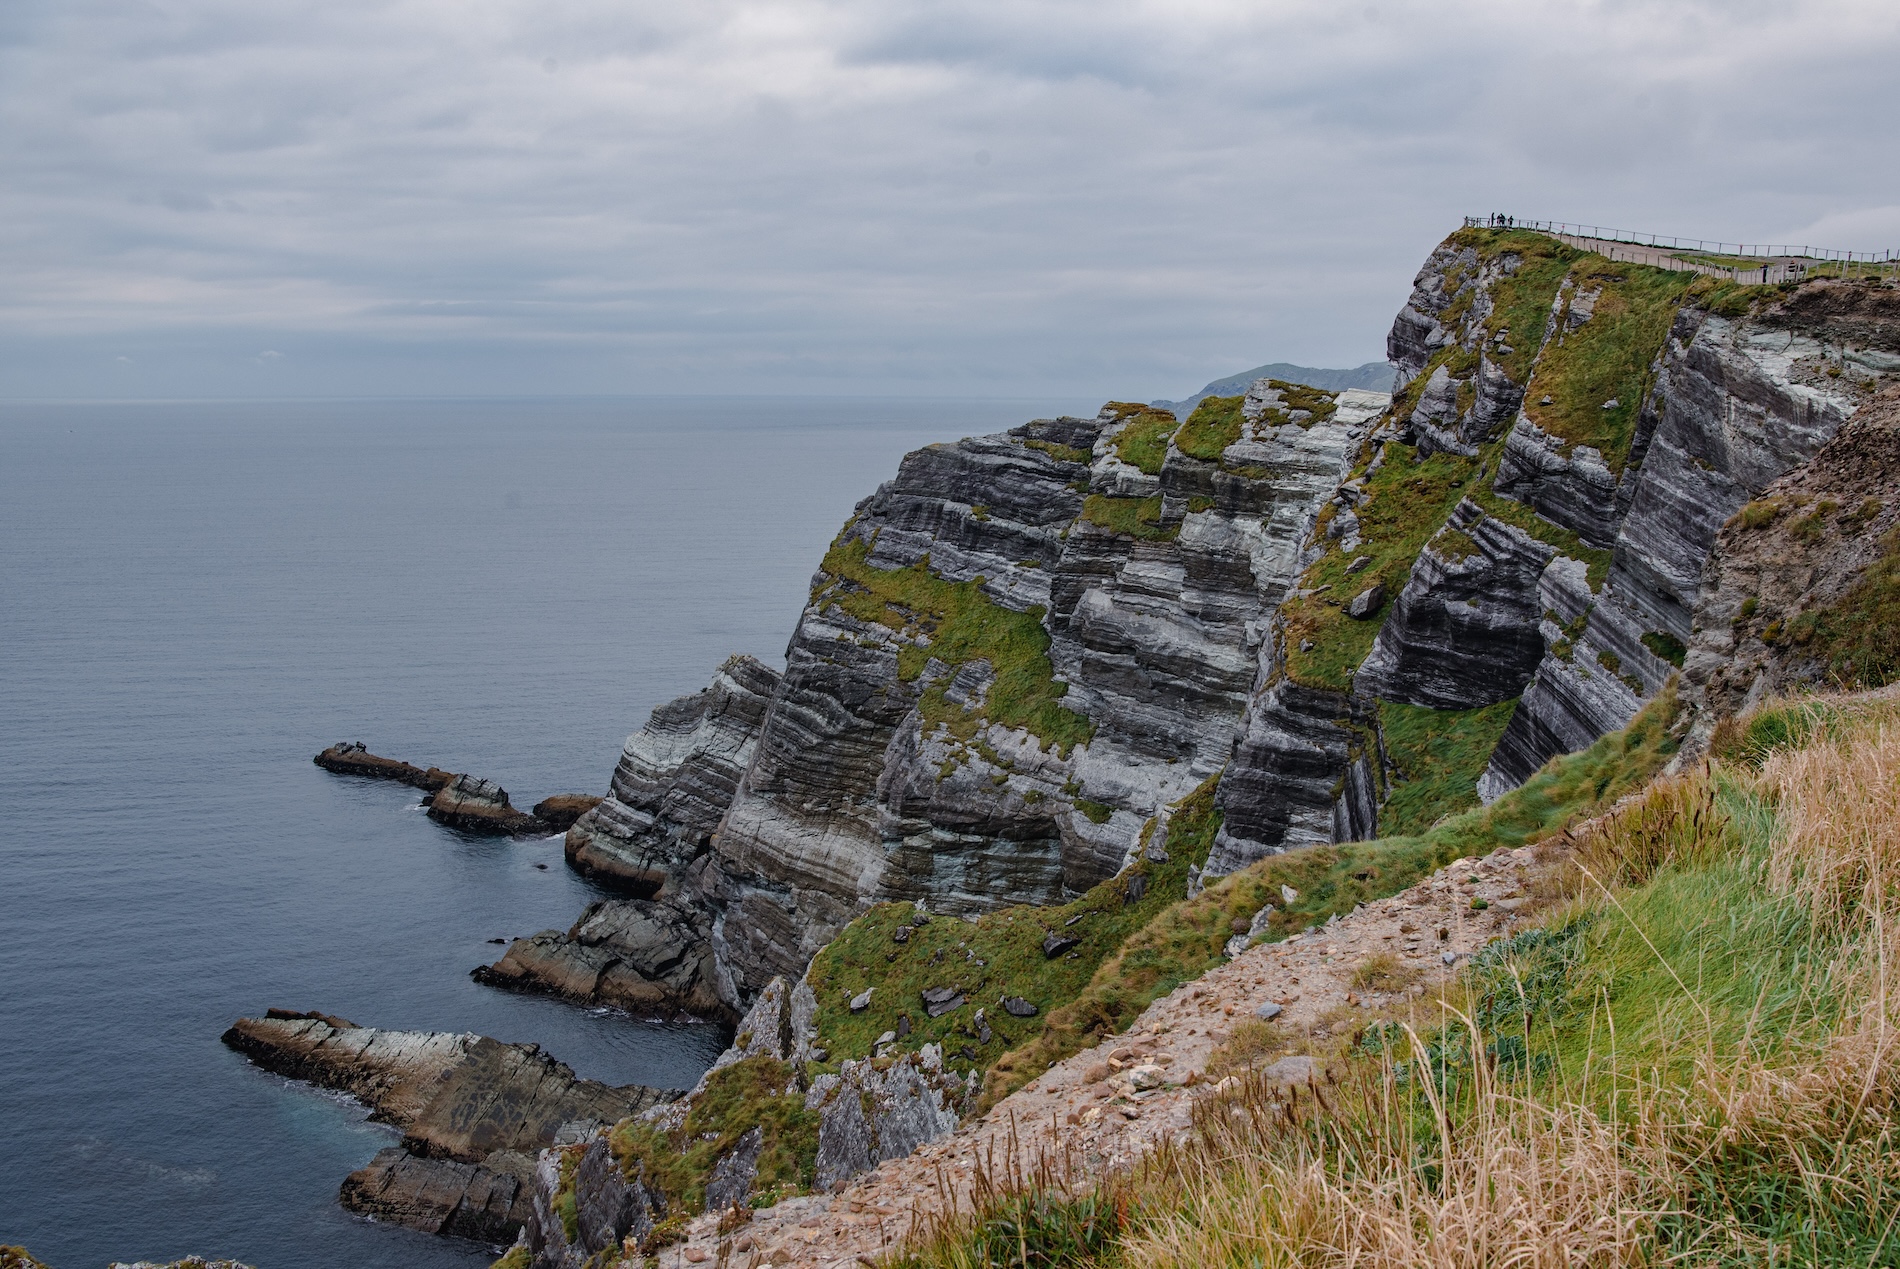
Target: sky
x=1116 y=198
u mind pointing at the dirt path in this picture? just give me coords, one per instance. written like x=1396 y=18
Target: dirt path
x=1093 y=1107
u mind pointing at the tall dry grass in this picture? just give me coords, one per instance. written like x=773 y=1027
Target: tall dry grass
x=1774 y=1146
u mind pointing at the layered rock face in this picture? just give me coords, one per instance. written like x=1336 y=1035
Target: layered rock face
x=901 y=756
x=1736 y=404
x=1025 y=648
x=474 y=1113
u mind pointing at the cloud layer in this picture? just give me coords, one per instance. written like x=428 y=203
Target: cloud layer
x=949 y=196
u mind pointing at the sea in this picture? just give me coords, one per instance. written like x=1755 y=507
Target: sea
x=195 y=598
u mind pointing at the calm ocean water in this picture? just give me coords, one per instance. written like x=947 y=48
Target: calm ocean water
x=194 y=599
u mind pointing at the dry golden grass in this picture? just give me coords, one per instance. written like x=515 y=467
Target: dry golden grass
x=1701 y=1138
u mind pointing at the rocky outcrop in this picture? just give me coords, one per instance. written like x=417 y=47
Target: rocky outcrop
x=460 y=801
x=1465 y=631
x=1771 y=618
x=1302 y=774
x=674 y=781
x=1738 y=402
x=561 y=811
x=870 y=1114
x=475 y=805
x=608 y=1209
x=473 y=1112
x=352 y=757
x=646 y=956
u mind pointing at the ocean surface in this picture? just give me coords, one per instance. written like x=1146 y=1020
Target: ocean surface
x=196 y=598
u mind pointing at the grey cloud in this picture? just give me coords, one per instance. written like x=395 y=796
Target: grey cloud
x=784 y=196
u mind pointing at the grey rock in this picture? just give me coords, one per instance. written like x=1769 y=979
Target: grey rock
x=674 y=781
x=1366 y=603
x=643 y=954
x=1466 y=631
x=939 y=1001
x=1269 y=1011
x=732 y=1177
x=1017 y=1007
x=472 y=1111
x=608 y=1207
x=861 y=1001
x=1054 y=945
x=867 y=1116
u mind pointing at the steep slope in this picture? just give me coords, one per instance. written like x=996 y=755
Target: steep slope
x=1026 y=649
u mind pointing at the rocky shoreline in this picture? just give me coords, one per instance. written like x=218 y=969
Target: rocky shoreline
x=474 y=1114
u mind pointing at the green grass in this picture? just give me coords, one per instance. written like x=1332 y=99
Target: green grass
x=1135 y=517
x=1143 y=443
x=1666 y=647
x=1608 y=358
x=517 y=1257
x=958 y=624
x=1318 y=404
x=1520 y=303
x=946 y=952
x=1749 y=740
x=1061 y=453
x=749 y=1093
x=1186 y=939
x=1409 y=502
x=1519 y=516
x=1214 y=425
x=1439 y=753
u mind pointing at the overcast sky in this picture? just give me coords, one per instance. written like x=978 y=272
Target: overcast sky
x=955 y=197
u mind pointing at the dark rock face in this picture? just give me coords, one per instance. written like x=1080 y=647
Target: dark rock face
x=674 y=780
x=473 y=1111
x=608 y=1207
x=486 y=1202
x=868 y=1115
x=651 y=956
x=1465 y=631
x=460 y=801
x=1287 y=785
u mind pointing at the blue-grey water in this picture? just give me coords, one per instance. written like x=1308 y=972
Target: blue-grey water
x=194 y=599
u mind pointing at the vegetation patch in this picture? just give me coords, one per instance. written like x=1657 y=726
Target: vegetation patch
x=1520 y=301
x=957 y=623
x=1408 y=501
x=757 y=1092
x=1666 y=646
x=1214 y=425
x=1597 y=375
x=1438 y=755
x=1143 y=443
x=999 y=954
x=1312 y=405
x=1188 y=938
x=1061 y=453
x=1135 y=517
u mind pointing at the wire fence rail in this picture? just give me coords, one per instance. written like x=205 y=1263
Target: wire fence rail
x=1739 y=262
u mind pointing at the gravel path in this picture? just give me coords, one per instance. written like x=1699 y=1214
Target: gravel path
x=1104 y=1108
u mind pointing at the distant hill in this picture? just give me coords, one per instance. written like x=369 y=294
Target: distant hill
x=1374 y=375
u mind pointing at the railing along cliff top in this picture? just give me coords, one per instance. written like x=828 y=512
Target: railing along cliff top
x=1740 y=262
